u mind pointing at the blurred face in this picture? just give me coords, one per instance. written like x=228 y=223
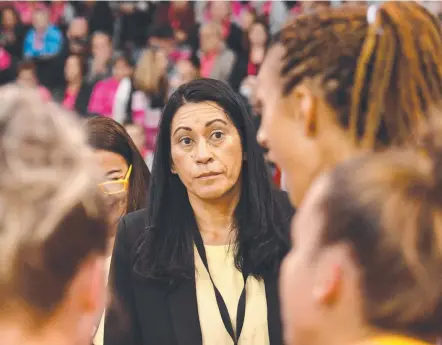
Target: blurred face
x=283 y=130
x=40 y=20
x=27 y=78
x=161 y=60
x=258 y=35
x=298 y=276
x=114 y=167
x=210 y=40
x=186 y=72
x=8 y=18
x=136 y=133
x=247 y=19
x=121 y=69
x=220 y=10
x=101 y=46
x=72 y=70
x=206 y=151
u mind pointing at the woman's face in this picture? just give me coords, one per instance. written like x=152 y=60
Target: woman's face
x=72 y=70
x=114 y=167
x=9 y=19
x=247 y=19
x=121 y=69
x=206 y=151
x=258 y=35
x=283 y=128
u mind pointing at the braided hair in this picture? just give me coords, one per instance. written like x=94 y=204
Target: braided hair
x=380 y=77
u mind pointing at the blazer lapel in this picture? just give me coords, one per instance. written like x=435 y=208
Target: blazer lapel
x=184 y=313
x=273 y=311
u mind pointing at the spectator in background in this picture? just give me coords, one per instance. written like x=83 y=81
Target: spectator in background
x=98 y=14
x=77 y=92
x=152 y=89
x=180 y=15
x=7 y=67
x=220 y=13
x=258 y=40
x=100 y=63
x=26 y=10
x=216 y=59
x=186 y=70
x=103 y=96
x=44 y=40
x=135 y=17
x=27 y=78
x=61 y=13
x=12 y=32
x=77 y=36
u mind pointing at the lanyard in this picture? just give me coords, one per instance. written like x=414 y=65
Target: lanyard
x=241 y=311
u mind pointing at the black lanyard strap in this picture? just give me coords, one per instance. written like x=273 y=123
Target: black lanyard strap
x=241 y=310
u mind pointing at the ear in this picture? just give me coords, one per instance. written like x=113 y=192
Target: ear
x=306 y=103
x=328 y=281
x=172 y=168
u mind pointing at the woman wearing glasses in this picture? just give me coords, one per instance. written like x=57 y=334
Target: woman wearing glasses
x=126 y=176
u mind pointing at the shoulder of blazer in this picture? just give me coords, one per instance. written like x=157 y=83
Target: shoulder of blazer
x=131 y=227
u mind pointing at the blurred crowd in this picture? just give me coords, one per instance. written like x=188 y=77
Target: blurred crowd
x=123 y=59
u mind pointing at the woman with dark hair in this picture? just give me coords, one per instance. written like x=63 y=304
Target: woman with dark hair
x=77 y=92
x=200 y=264
x=127 y=176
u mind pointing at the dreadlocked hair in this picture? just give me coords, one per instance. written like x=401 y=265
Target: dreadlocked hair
x=380 y=77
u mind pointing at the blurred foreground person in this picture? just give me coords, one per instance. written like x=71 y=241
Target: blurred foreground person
x=53 y=228
x=366 y=263
x=347 y=80
x=200 y=265
x=126 y=178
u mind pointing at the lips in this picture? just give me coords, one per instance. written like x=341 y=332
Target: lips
x=209 y=174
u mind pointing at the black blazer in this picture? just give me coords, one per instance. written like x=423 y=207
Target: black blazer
x=146 y=312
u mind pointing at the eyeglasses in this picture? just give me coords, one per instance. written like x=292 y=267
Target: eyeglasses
x=117 y=186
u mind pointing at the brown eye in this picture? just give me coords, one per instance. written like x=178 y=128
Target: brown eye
x=217 y=135
x=186 y=141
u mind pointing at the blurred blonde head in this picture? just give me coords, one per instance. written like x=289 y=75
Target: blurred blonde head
x=53 y=231
x=151 y=71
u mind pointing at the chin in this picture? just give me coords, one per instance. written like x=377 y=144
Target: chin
x=211 y=193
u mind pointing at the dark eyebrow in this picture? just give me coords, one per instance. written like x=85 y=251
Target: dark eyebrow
x=216 y=120
x=113 y=171
x=188 y=129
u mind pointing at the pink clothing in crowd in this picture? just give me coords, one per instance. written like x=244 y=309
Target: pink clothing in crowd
x=102 y=98
x=5 y=59
x=207 y=64
x=44 y=93
x=69 y=99
x=147 y=117
x=26 y=9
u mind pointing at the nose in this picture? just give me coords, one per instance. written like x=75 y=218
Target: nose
x=203 y=153
x=262 y=137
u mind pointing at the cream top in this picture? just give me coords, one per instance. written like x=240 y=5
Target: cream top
x=230 y=283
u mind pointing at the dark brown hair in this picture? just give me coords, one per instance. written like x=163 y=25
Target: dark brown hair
x=107 y=134
x=379 y=77
x=388 y=207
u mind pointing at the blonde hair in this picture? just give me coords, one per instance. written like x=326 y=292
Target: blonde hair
x=51 y=216
x=147 y=76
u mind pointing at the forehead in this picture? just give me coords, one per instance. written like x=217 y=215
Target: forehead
x=269 y=74
x=197 y=114
x=108 y=159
